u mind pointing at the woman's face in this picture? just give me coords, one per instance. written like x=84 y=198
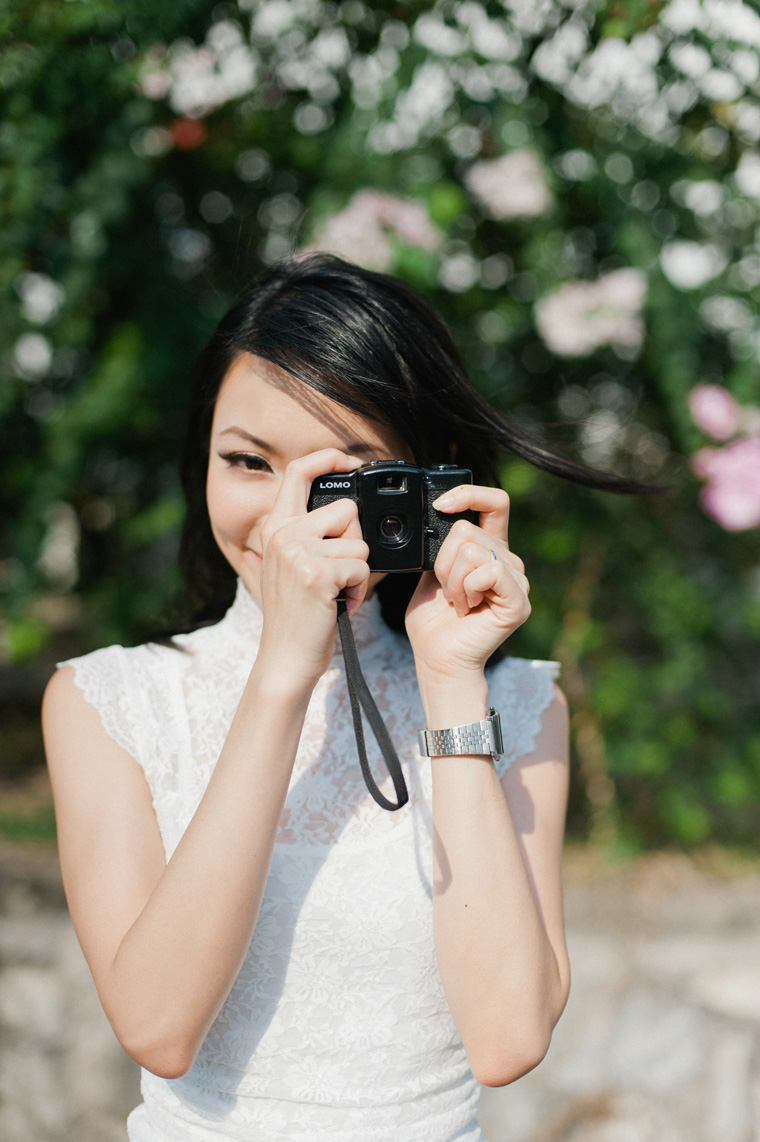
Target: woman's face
x=263 y=419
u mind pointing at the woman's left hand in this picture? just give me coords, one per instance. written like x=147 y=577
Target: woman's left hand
x=477 y=594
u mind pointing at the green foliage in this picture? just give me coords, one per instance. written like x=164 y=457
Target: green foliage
x=28 y=827
x=140 y=209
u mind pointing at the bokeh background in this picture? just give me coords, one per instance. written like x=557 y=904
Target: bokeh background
x=575 y=184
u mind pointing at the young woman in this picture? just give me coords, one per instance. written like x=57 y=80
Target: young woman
x=285 y=959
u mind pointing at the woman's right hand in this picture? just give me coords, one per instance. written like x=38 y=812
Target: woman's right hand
x=309 y=558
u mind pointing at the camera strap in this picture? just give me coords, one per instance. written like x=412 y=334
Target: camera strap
x=361 y=699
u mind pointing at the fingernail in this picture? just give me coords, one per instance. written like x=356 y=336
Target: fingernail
x=444 y=501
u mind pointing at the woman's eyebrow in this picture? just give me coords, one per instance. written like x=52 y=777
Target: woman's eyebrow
x=235 y=431
x=354 y=447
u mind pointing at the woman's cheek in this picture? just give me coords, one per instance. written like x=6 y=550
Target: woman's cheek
x=232 y=508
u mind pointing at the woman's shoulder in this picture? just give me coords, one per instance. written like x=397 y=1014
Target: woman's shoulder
x=521 y=690
x=526 y=682
x=119 y=681
x=133 y=689
x=512 y=669
x=112 y=664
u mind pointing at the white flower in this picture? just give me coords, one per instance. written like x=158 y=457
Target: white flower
x=704 y=197
x=512 y=186
x=150 y=142
x=419 y=111
x=689 y=265
x=531 y=16
x=435 y=35
x=747 y=174
x=58 y=559
x=360 y=233
x=458 y=272
x=197 y=80
x=579 y=317
x=331 y=48
x=557 y=57
x=32 y=355
x=41 y=297
x=727 y=314
x=426 y=101
x=493 y=39
x=682 y=16
x=690 y=59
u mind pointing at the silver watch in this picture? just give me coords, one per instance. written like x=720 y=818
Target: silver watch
x=476 y=737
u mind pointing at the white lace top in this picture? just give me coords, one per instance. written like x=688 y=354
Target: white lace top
x=337 y=1028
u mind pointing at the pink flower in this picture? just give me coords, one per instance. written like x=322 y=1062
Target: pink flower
x=361 y=232
x=581 y=316
x=714 y=411
x=732 y=494
x=512 y=186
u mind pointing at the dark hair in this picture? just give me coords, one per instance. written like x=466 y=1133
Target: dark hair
x=374 y=345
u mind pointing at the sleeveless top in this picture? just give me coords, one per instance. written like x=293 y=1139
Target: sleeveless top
x=337 y=1028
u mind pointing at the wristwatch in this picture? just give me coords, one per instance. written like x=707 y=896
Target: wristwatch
x=476 y=737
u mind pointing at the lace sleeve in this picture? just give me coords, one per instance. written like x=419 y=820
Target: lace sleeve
x=106 y=679
x=520 y=690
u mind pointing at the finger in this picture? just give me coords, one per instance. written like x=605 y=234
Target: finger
x=479 y=581
x=496 y=578
x=304 y=569
x=340 y=547
x=339 y=518
x=463 y=532
x=491 y=503
x=473 y=557
x=293 y=494
x=346 y=547
x=469 y=556
x=355 y=580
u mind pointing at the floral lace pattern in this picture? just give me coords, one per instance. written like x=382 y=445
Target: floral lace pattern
x=337 y=1026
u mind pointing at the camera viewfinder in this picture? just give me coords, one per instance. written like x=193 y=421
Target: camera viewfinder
x=390 y=483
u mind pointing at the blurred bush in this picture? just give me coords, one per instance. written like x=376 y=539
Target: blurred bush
x=576 y=188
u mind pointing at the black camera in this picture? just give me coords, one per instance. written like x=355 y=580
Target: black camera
x=403 y=531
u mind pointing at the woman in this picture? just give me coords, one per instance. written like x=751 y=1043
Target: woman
x=285 y=959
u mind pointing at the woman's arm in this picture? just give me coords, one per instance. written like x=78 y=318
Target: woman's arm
x=498 y=918
x=166 y=941
x=497 y=905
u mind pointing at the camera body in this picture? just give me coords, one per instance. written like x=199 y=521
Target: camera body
x=400 y=526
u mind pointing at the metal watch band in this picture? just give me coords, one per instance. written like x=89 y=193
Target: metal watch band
x=476 y=737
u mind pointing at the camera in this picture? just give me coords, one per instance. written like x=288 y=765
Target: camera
x=401 y=528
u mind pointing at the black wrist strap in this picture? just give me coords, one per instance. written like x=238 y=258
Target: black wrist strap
x=360 y=697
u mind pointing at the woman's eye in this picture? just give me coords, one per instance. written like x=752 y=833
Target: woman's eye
x=249 y=461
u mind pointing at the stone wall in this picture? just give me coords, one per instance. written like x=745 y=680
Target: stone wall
x=659 y=1042
x=63 y=1076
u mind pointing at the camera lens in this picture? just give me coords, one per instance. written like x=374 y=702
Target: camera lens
x=393 y=530
x=391 y=527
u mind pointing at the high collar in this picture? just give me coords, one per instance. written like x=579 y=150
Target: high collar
x=246 y=618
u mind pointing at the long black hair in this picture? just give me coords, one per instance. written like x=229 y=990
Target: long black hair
x=374 y=345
